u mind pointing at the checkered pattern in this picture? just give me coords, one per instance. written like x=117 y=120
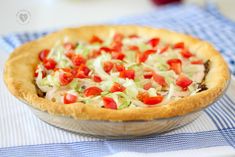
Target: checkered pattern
x=216 y=126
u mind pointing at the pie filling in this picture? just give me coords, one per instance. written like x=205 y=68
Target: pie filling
x=119 y=72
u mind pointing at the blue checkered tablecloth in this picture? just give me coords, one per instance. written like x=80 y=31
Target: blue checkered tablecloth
x=22 y=134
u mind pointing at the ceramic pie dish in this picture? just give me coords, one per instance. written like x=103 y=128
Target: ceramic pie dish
x=116 y=80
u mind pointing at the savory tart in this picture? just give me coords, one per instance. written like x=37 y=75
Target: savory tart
x=117 y=73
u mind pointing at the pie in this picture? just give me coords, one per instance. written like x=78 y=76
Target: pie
x=117 y=73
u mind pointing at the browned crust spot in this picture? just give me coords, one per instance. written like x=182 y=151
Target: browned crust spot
x=19 y=69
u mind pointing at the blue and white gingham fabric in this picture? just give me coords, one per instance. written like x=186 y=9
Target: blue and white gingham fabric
x=22 y=134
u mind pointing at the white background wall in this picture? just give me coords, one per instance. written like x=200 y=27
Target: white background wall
x=61 y=13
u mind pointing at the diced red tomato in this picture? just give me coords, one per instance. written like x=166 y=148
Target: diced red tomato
x=118 y=37
x=81 y=72
x=96 y=78
x=109 y=103
x=183 y=81
x=80 y=75
x=175 y=65
x=65 y=78
x=148 y=52
x=199 y=61
x=70 y=54
x=43 y=54
x=69 y=98
x=142 y=95
x=179 y=45
x=105 y=49
x=119 y=67
x=153 y=42
x=117 y=88
x=96 y=39
x=118 y=55
x=117 y=47
x=108 y=66
x=69 y=46
x=147 y=86
x=153 y=100
x=75 y=71
x=49 y=64
x=143 y=57
x=148 y=75
x=43 y=73
x=85 y=69
x=159 y=79
x=133 y=48
x=164 y=49
x=132 y=36
x=186 y=53
x=130 y=74
x=92 y=91
x=78 y=60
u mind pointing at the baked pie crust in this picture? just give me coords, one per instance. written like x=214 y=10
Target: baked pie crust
x=19 y=78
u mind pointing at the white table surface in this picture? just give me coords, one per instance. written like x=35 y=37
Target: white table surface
x=46 y=14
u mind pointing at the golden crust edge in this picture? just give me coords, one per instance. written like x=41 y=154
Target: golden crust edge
x=82 y=111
